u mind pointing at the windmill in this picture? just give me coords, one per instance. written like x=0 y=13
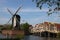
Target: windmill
x=15 y=19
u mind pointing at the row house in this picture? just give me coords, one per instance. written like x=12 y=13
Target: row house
x=51 y=27
x=47 y=26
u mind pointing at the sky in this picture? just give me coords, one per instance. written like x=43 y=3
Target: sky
x=29 y=12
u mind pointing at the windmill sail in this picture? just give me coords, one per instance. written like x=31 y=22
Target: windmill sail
x=9 y=11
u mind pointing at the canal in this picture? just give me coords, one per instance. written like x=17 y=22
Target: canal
x=32 y=37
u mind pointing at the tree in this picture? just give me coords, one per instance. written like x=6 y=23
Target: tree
x=25 y=26
x=7 y=27
x=51 y=3
x=1 y=26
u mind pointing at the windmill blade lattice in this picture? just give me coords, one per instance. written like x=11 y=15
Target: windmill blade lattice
x=9 y=11
x=18 y=10
x=9 y=20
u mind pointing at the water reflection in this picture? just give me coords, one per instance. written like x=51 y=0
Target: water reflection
x=31 y=37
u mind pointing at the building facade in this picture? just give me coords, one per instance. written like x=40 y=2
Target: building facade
x=46 y=26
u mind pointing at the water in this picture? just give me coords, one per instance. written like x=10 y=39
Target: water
x=32 y=37
x=2 y=36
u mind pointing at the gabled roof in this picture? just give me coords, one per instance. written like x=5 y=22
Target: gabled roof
x=52 y=24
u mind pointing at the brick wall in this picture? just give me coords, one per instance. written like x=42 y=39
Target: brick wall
x=13 y=32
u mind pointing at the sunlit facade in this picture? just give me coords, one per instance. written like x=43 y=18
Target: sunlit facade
x=46 y=26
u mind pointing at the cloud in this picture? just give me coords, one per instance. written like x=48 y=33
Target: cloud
x=3 y=20
x=33 y=10
x=4 y=9
x=34 y=21
x=26 y=10
x=42 y=19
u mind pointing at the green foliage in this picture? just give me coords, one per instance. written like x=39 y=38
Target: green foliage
x=51 y=3
x=25 y=26
x=1 y=27
x=8 y=27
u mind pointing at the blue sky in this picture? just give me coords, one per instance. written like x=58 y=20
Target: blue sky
x=29 y=12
